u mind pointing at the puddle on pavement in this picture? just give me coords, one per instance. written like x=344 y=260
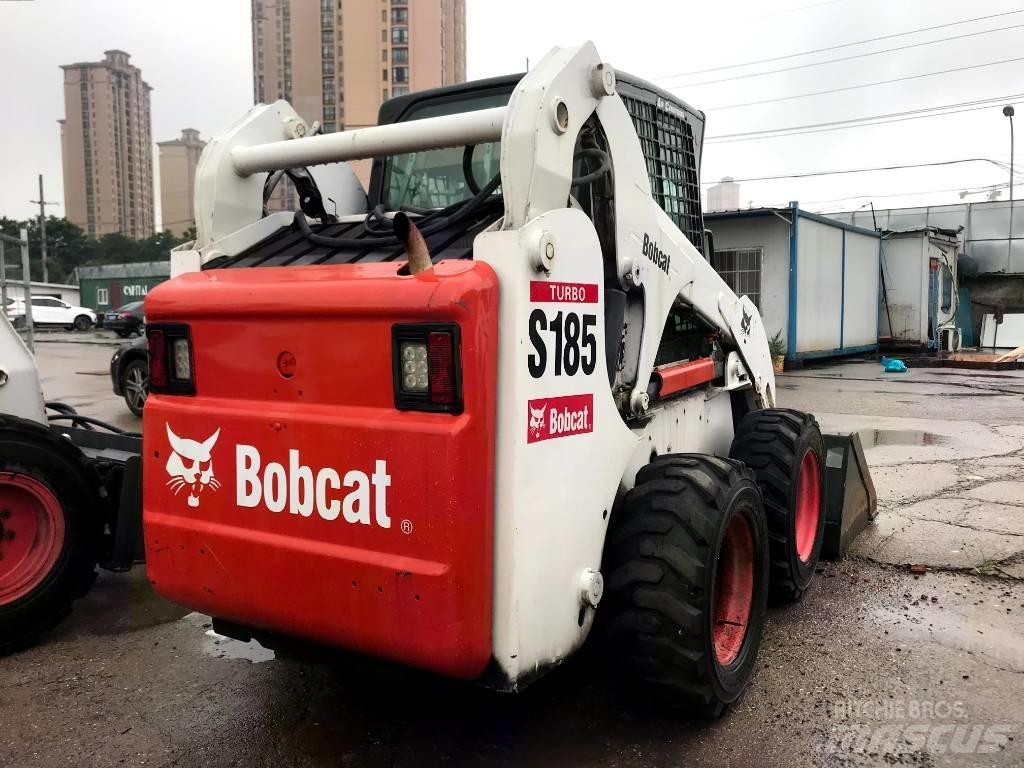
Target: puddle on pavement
x=870 y=438
x=220 y=647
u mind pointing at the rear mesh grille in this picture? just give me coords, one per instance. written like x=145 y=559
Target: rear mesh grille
x=289 y=247
x=667 y=144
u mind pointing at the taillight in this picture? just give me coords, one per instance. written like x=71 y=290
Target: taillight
x=426 y=366
x=440 y=354
x=171 y=369
x=157 y=359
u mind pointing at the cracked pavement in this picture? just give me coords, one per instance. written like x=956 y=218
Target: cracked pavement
x=875 y=666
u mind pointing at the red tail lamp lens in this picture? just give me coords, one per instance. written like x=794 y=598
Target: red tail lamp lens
x=157 y=358
x=442 y=375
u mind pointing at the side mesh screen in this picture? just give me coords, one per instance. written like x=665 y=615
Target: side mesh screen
x=667 y=144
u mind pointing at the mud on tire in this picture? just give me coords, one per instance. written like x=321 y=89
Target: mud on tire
x=686 y=564
x=52 y=523
x=785 y=450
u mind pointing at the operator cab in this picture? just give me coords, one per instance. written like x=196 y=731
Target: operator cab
x=440 y=184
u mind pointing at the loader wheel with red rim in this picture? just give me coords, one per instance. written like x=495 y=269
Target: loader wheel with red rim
x=50 y=530
x=686 y=561
x=785 y=450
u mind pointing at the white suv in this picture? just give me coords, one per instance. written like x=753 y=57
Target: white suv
x=47 y=310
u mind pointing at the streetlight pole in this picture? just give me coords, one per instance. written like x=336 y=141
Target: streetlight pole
x=1008 y=112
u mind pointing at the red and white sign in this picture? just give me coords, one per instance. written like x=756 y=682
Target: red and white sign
x=551 y=417
x=563 y=293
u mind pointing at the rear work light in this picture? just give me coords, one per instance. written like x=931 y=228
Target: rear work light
x=427 y=368
x=171 y=369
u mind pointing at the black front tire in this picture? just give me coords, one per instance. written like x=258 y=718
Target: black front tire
x=663 y=558
x=56 y=467
x=83 y=323
x=774 y=443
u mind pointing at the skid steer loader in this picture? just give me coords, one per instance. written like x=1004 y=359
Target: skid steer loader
x=457 y=420
x=508 y=396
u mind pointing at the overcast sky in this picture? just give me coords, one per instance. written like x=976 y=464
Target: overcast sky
x=196 y=54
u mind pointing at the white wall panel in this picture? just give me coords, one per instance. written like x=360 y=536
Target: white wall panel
x=860 y=299
x=819 y=286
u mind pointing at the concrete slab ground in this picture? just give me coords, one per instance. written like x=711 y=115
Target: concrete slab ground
x=875 y=666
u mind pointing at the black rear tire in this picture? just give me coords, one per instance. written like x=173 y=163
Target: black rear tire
x=83 y=323
x=774 y=443
x=30 y=456
x=665 y=558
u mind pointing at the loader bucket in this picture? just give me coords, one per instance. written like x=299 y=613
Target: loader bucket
x=850 y=495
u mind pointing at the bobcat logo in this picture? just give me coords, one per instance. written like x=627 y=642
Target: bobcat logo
x=745 y=322
x=191 y=466
x=537 y=420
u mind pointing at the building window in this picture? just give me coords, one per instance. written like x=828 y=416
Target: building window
x=400 y=36
x=400 y=90
x=741 y=270
x=384 y=94
x=400 y=74
x=399 y=55
x=102 y=297
x=400 y=16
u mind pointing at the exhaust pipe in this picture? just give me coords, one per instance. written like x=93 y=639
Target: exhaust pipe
x=415 y=246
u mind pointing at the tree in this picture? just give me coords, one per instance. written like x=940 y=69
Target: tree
x=69 y=247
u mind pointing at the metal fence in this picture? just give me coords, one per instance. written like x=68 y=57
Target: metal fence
x=19 y=245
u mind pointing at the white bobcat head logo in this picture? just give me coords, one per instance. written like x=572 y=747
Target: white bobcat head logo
x=537 y=420
x=190 y=465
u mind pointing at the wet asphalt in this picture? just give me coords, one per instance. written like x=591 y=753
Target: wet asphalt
x=875 y=666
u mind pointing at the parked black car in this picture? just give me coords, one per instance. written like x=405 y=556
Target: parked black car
x=129 y=374
x=125 y=320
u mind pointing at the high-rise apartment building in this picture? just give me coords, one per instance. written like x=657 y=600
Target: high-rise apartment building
x=106 y=142
x=178 y=161
x=336 y=60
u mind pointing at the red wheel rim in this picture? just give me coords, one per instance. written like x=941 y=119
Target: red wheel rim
x=808 y=505
x=31 y=535
x=734 y=591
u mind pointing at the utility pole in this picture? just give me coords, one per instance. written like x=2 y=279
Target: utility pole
x=1008 y=112
x=42 y=227
x=29 y=325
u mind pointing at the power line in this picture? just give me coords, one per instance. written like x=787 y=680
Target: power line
x=968 y=190
x=990 y=100
x=836 y=47
x=808 y=174
x=864 y=122
x=848 y=58
x=866 y=85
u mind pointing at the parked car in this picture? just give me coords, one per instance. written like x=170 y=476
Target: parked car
x=129 y=374
x=125 y=320
x=48 y=310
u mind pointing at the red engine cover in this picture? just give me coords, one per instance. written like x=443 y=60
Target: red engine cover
x=307 y=504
